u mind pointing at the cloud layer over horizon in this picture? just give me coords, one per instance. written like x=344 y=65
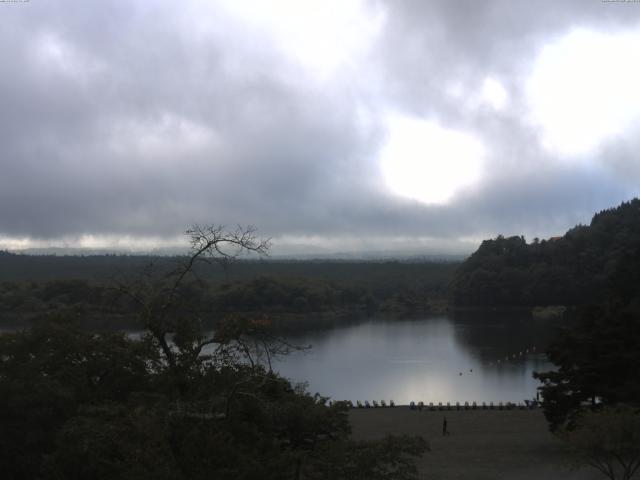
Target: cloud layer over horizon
x=123 y=123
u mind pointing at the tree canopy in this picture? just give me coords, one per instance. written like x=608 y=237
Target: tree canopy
x=575 y=269
x=597 y=355
x=607 y=440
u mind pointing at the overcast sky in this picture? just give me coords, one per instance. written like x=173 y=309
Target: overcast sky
x=330 y=125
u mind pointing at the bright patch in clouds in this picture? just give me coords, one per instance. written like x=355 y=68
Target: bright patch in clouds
x=585 y=89
x=426 y=162
x=494 y=94
x=322 y=35
x=490 y=93
x=53 y=54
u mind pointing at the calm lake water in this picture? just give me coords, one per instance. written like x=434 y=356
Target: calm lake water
x=434 y=360
x=440 y=359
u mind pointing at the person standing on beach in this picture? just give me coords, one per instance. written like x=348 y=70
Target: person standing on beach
x=445 y=432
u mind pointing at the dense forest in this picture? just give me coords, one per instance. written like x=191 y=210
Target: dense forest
x=292 y=293
x=19 y=267
x=578 y=268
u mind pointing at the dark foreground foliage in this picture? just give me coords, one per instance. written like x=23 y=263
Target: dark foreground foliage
x=598 y=363
x=77 y=405
x=608 y=440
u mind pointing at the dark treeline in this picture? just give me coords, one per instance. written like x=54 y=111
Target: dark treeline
x=89 y=287
x=105 y=267
x=576 y=269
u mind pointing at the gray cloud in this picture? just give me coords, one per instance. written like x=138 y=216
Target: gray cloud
x=139 y=119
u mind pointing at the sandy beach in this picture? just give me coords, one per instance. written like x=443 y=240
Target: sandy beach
x=482 y=445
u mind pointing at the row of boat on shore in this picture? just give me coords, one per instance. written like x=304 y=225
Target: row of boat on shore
x=526 y=404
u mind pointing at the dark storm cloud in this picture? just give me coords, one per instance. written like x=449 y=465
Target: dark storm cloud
x=140 y=118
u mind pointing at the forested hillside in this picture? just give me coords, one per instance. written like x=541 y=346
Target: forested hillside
x=578 y=268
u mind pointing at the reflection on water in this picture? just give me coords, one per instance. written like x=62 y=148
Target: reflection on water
x=433 y=360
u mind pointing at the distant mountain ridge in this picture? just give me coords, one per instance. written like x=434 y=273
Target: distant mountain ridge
x=583 y=266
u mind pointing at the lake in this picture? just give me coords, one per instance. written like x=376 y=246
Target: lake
x=486 y=357
x=478 y=358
